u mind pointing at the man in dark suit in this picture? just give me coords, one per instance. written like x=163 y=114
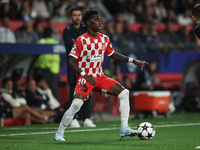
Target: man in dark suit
x=196 y=19
x=70 y=34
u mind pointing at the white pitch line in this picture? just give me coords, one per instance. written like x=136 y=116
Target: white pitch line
x=102 y=129
x=33 y=133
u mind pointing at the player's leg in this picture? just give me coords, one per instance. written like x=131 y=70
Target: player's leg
x=82 y=91
x=68 y=116
x=74 y=123
x=124 y=108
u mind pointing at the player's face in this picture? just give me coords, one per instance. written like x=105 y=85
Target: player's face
x=95 y=23
x=76 y=17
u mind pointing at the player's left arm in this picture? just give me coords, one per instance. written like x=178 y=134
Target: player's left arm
x=121 y=57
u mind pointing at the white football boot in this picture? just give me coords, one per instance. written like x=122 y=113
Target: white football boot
x=75 y=124
x=127 y=131
x=59 y=137
x=88 y=123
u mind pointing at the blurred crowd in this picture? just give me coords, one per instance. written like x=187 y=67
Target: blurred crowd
x=164 y=25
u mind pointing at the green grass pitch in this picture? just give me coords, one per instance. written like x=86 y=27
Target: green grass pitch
x=179 y=132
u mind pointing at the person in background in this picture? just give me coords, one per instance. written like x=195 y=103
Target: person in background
x=52 y=104
x=16 y=80
x=25 y=11
x=196 y=19
x=25 y=34
x=56 y=36
x=19 y=106
x=146 y=80
x=48 y=65
x=38 y=101
x=38 y=28
x=57 y=15
x=5 y=10
x=170 y=39
x=6 y=35
x=70 y=34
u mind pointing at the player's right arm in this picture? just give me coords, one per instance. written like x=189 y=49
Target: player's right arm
x=73 y=64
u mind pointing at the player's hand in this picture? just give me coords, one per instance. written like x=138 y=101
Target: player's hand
x=90 y=79
x=140 y=63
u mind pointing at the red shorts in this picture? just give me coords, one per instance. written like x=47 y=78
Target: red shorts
x=103 y=84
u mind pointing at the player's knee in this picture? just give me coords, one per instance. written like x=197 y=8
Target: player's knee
x=124 y=94
x=77 y=103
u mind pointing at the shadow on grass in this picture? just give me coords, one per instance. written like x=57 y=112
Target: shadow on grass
x=114 y=143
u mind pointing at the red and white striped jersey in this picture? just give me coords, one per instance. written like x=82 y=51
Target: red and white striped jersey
x=89 y=52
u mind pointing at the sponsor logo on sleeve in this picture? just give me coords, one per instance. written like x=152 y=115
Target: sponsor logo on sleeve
x=74 y=47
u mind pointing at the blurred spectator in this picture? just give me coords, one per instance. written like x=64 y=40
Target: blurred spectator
x=185 y=18
x=5 y=109
x=44 y=89
x=25 y=34
x=52 y=4
x=50 y=24
x=115 y=6
x=171 y=17
x=17 y=84
x=110 y=30
x=161 y=10
x=117 y=37
x=48 y=65
x=146 y=79
x=5 y=10
x=6 y=35
x=131 y=37
x=151 y=15
x=38 y=101
x=139 y=14
x=119 y=17
x=14 y=5
x=103 y=11
x=187 y=37
x=39 y=28
x=53 y=103
x=153 y=42
x=67 y=13
x=20 y=109
x=25 y=11
x=170 y=39
x=34 y=98
x=142 y=38
x=57 y=14
x=173 y=5
x=188 y=3
x=41 y=9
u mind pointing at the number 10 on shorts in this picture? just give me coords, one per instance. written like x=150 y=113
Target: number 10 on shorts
x=81 y=81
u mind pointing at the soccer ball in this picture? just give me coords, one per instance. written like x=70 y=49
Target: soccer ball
x=146 y=131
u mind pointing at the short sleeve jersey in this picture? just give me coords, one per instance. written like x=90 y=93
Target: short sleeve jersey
x=89 y=52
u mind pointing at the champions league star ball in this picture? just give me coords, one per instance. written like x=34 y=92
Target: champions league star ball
x=146 y=131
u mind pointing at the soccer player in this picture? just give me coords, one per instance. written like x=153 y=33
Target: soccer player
x=86 y=57
x=196 y=19
x=70 y=34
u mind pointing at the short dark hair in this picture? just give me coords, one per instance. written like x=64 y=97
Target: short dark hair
x=4 y=81
x=74 y=9
x=48 y=32
x=196 y=11
x=88 y=15
x=39 y=78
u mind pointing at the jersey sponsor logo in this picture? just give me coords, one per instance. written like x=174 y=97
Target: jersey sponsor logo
x=95 y=57
x=74 y=47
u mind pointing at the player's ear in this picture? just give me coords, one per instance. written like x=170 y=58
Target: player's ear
x=88 y=22
x=193 y=18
